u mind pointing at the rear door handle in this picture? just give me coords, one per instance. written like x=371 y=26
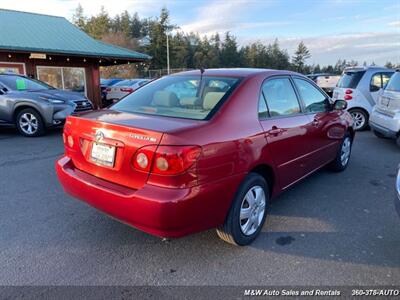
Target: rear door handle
x=315 y=122
x=275 y=130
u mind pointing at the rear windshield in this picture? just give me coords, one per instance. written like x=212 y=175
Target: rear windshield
x=394 y=83
x=179 y=96
x=350 y=79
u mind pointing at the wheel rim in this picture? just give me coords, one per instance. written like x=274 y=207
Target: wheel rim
x=28 y=123
x=359 y=119
x=252 y=210
x=345 y=151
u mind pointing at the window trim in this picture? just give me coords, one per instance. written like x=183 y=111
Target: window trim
x=261 y=93
x=327 y=98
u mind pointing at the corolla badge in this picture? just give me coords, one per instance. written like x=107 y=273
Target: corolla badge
x=99 y=136
x=142 y=137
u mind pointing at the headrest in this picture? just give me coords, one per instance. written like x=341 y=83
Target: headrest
x=165 y=98
x=188 y=101
x=211 y=99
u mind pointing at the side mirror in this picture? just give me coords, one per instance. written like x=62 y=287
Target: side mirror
x=340 y=105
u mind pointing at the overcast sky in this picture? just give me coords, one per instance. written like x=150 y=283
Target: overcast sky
x=363 y=30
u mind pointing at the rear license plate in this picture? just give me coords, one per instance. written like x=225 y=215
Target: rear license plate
x=103 y=154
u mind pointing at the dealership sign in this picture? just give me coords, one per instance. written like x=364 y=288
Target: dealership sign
x=38 y=55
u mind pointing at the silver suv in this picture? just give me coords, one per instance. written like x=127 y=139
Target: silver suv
x=385 y=117
x=33 y=105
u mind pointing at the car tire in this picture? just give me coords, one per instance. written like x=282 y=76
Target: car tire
x=30 y=123
x=251 y=203
x=342 y=158
x=360 y=118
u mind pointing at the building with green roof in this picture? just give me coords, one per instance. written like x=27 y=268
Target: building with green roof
x=53 y=50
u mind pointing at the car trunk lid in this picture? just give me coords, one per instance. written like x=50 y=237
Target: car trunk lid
x=105 y=142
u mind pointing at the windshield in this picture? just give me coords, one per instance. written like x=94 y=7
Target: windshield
x=19 y=83
x=394 y=83
x=350 y=79
x=179 y=97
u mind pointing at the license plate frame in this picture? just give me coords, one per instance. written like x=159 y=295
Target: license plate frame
x=103 y=154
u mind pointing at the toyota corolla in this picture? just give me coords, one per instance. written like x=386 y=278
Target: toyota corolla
x=204 y=149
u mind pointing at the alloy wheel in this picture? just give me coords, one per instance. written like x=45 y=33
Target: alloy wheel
x=252 y=210
x=28 y=123
x=345 y=151
x=359 y=119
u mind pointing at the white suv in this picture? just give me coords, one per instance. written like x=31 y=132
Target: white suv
x=385 y=117
x=360 y=86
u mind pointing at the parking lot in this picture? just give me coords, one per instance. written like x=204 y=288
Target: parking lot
x=331 y=229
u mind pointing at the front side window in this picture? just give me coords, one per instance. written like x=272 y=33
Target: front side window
x=19 y=83
x=179 y=96
x=313 y=99
x=281 y=98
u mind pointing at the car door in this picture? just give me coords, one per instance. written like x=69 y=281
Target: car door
x=325 y=127
x=378 y=81
x=285 y=127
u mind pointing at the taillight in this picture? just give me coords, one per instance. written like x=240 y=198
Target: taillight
x=348 y=97
x=126 y=90
x=108 y=89
x=174 y=160
x=143 y=158
x=347 y=92
x=168 y=166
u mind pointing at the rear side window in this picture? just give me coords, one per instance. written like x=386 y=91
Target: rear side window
x=126 y=83
x=350 y=79
x=313 y=99
x=394 y=83
x=179 y=97
x=280 y=97
x=379 y=80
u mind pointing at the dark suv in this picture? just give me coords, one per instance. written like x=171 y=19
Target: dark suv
x=33 y=105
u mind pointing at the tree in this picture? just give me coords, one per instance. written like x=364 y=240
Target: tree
x=300 y=57
x=78 y=18
x=229 y=51
x=98 y=25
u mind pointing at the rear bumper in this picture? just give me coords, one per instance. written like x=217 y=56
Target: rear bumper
x=156 y=210
x=389 y=126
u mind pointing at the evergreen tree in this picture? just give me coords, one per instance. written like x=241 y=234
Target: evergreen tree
x=79 y=18
x=300 y=57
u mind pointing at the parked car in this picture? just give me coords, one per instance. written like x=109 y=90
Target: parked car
x=325 y=81
x=385 y=117
x=104 y=84
x=360 y=87
x=214 y=157
x=33 y=105
x=123 y=88
x=397 y=199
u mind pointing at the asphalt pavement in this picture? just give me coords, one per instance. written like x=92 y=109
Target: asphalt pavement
x=330 y=229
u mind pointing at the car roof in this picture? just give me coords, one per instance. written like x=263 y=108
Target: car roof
x=321 y=74
x=236 y=72
x=362 y=68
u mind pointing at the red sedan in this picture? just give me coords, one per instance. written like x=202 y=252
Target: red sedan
x=199 y=150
